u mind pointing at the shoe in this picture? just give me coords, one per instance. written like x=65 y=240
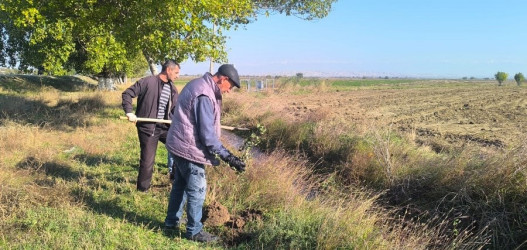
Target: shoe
x=172 y=227
x=203 y=237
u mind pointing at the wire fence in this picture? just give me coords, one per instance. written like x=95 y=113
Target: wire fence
x=255 y=84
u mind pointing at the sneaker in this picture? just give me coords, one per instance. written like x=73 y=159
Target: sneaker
x=204 y=237
x=172 y=227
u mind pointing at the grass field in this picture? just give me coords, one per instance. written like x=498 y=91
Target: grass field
x=453 y=148
x=376 y=164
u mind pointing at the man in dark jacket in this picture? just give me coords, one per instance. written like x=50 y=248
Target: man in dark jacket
x=156 y=98
x=194 y=139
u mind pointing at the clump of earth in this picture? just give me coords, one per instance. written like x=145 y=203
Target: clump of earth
x=217 y=215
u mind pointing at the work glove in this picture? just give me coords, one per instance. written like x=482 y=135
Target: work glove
x=131 y=117
x=234 y=162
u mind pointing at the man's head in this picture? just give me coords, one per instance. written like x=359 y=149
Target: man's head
x=171 y=69
x=228 y=77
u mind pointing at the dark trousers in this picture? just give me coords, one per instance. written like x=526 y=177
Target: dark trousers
x=148 y=144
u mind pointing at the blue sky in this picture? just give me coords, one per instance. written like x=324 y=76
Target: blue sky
x=404 y=38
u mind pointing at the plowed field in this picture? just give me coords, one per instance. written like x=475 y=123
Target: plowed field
x=452 y=112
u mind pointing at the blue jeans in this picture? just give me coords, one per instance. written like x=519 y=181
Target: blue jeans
x=190 y=180
x=170 y=161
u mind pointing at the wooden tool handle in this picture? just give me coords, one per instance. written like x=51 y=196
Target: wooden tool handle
x=140 y=119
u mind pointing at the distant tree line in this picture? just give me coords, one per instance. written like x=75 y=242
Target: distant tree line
x=502 y=76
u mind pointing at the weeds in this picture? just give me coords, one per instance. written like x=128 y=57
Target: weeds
x=68 y=174
x=480 y=196
x=253 y=141
x=382 y=145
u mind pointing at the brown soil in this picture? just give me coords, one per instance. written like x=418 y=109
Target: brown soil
x=215 y=214
x=481 y=113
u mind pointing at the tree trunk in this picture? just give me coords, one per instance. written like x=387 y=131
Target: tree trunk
x=153 y=68
x=105 y=80
x=151 y=63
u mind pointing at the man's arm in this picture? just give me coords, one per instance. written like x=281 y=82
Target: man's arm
x=130 y=93
x=204 y=114
x=207 y=133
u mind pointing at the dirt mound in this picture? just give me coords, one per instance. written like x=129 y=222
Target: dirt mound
x=215 y=214
x=236 y=233
x=239 y=221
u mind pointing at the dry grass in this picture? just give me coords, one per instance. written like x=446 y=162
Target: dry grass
x=477 y=194
x=307 y=211
x=64 y=174
x=468 y=195
x=269 y=183
x=70 y=166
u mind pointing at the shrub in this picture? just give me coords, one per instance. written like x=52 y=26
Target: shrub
x=519 y=78
x=500 y=77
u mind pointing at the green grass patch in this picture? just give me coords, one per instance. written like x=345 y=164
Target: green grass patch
x=452 y=184
x=72 y=228
x=70 y=183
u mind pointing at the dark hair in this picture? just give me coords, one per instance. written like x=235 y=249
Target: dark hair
x=169 y=63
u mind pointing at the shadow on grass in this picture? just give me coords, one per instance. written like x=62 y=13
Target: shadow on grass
x=120 y=207
x=49 y=168
x=113 y=207
x=33 y=83
x=65 y=115
x=96 y=160
x=64 y=171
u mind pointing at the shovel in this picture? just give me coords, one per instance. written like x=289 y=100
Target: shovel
x=140 y=119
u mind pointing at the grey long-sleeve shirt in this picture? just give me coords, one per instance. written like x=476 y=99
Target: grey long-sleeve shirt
x=205 y=121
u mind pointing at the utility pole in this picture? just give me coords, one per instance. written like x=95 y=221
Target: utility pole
x=211 y=65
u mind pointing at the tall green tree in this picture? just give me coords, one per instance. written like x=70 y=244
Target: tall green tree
x=519 y=78
x=104 y=36
x=307 y=9
x=500 y=77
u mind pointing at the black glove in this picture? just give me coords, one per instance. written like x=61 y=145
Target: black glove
x=234 y=162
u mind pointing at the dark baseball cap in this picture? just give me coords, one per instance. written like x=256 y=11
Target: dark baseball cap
x=229 y=71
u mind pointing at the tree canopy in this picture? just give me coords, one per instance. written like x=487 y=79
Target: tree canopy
x=519 y=78
x=500 y=77
x=111 y=36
